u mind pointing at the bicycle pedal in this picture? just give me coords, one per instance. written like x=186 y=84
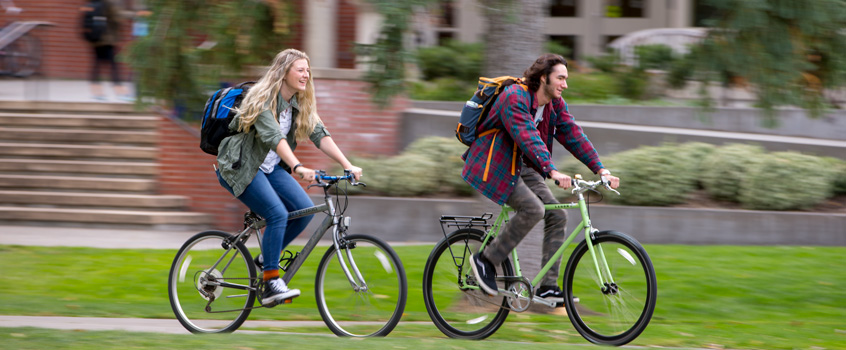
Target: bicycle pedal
x=287 y=301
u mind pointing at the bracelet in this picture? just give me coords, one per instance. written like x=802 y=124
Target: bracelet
x=294 y=169
x=604 y=172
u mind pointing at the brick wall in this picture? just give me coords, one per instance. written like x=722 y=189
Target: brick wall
x=356 y=125
x=65 y=55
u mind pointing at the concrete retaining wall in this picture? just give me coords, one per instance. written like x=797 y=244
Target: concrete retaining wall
x=416 y=220
x=618 y=128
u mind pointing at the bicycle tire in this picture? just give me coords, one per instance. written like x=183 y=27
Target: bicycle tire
x=616 y=315
x=361 y=313
x=24 y=56
x=466 y=313
x=189 y=274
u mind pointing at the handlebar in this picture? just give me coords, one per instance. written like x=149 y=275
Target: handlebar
x=324 y=180
x=580 y=185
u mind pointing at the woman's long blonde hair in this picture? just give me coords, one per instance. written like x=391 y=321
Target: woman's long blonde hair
x=263 y=96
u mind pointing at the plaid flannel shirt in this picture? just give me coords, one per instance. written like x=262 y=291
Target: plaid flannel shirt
x=492 y=163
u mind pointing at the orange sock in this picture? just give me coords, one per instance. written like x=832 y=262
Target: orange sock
x=270 y=274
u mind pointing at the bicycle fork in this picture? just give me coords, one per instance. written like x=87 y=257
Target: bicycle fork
x=340 y=225
x=605 y=280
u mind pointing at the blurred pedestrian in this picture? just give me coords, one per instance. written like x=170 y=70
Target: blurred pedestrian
x=101 y=26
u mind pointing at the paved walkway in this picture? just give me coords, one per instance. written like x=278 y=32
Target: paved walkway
x=36 y=89
x=170 y=326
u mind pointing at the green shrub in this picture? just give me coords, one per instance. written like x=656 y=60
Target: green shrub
x=655 y=56
x=557 y=48
x=371 y=170
x=429 y=166
x=443 y=89
x=446 y=154
x=680 y=70
x=838 y=185
x=696 y=152
x=655 y=176
x=725 y=168
x=632 y=83
x=607 y=63
x=455 y=59
x=589 y=87
x=786 y=181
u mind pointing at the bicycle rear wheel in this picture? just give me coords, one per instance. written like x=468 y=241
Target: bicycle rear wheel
x=361 y=312
x=453 y=299
x=616 y=310
x=23 y=56
x=211 y=283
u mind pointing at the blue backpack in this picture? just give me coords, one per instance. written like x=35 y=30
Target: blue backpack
x=218 y=113
x=477 y=109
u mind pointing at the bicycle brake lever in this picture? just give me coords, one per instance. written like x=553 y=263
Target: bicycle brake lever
x=607 y=184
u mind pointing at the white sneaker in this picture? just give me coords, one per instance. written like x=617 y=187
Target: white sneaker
x=275 y=291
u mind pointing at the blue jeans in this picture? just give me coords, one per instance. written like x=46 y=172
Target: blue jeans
x=273 y=196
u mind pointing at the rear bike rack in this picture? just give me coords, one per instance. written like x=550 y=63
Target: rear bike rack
x=465 y=221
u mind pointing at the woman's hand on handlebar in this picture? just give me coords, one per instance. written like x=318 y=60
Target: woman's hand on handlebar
x=306 y=173
x=356 y=171
x=562 y=180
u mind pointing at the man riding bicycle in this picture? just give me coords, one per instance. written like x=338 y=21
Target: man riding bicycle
x=509 y=166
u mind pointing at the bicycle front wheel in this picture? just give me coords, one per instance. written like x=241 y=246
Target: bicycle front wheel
x=374 y=304
x=456 y=304
x=611 y=301
x=211 y=283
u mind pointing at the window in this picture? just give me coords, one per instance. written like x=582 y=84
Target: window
x=624 y=8
x=563 y=8
x=446 y=14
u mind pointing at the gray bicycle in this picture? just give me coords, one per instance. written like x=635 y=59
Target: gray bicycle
x=360 y=285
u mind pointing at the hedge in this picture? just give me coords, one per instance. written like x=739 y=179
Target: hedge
x=724 y=169
x=650 y=176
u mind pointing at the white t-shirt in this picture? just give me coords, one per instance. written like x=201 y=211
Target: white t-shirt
x=272 y=158
x=539 y=115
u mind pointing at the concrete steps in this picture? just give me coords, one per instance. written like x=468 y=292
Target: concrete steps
x=153 y=219
x=28 y=166
x=118 y=122
x=88 y=168
x=87 y=199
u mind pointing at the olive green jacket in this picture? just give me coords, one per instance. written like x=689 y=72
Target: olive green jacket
x=240 y=156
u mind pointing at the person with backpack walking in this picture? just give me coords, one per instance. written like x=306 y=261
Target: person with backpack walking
x=101 y=25
x=258 y=165
x=511 y=157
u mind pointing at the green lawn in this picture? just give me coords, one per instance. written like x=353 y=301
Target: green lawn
x=741 y=297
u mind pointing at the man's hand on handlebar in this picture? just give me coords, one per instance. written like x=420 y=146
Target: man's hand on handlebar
x=562 y=180
x=611 y=180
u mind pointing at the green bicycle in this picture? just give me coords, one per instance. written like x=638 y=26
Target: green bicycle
x=609 y=283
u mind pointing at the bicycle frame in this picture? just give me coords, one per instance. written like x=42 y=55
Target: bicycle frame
x=338 y=223
x=585 y=224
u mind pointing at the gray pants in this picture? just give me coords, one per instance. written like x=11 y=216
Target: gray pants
x=528 y=198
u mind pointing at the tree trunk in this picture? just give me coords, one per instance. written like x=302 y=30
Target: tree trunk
x=514 y=37
x=513 y=41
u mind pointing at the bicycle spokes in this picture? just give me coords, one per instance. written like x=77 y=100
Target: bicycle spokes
x=615 y=291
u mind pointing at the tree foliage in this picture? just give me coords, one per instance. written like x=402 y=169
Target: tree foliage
x=790 y=52
x=195 y=44
x=387 y=57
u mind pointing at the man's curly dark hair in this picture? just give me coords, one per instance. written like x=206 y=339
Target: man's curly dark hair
x=542 y=67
